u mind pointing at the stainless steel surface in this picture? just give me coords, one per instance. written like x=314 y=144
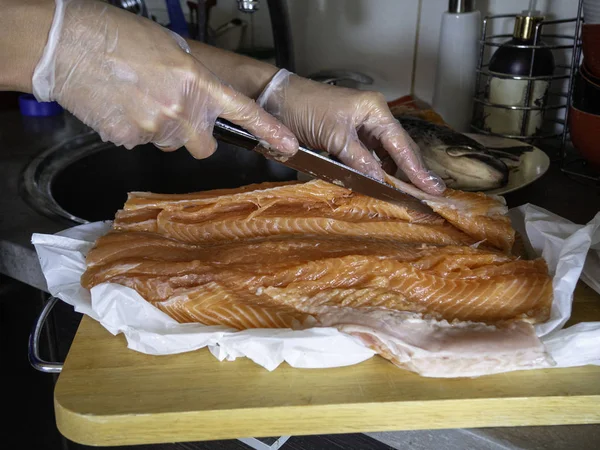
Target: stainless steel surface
x=34 y=342
x=335 y=76
x=314 y=164
x=38 y=176
x=280 y=28
x=82 y=179
x=248 y=6
x=461 y=6
x=324 y=168
x=282 y=34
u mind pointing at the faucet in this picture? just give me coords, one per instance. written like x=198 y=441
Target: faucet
x=280 y=27
x=248 y=6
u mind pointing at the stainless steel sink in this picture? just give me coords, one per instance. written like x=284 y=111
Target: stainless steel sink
x=84 y=179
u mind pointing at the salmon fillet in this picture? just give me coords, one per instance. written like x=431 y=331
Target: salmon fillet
x=292 y=255
x=316 y=208
x=481 y=216
x=450 y=283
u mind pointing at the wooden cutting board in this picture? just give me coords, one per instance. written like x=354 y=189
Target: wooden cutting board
x=110 y=395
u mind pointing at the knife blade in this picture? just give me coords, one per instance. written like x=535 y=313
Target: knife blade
x=314 y=164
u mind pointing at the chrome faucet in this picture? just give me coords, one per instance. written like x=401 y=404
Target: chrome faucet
x=248 y=6
x=280 y=27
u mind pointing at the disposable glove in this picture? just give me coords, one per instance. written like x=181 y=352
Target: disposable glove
x=134 y=82
x=346 y=123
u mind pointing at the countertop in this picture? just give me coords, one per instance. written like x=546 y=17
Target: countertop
x=22 y=138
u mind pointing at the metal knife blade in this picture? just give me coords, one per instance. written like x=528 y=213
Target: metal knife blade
x=314 y=164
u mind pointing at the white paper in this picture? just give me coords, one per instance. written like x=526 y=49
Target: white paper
x=148 y=330
x=571 y=252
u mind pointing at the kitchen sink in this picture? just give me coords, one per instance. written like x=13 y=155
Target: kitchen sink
x=84 y=179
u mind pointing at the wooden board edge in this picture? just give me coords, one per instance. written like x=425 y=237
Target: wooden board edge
x=133 y=429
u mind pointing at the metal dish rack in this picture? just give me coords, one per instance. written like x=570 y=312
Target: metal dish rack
x=558 y=100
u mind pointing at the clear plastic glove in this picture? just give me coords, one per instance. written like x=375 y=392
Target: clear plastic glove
x=134 y=82
x=346 y=123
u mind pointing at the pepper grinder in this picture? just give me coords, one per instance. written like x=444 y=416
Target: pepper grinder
x=457 y=63
x=505 y=88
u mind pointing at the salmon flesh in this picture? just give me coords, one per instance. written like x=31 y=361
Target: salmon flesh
x=297 y=255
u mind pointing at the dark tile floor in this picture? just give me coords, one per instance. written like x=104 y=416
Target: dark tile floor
x=30 y=419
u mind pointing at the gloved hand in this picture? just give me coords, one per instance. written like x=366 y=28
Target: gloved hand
x=346 y=123
x=134 y=82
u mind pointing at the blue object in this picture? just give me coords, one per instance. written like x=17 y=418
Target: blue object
x=30 y=107
x=177 y=20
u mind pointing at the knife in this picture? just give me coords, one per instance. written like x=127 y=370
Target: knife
x=314 y=164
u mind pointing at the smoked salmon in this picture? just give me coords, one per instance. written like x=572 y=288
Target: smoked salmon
x=294 y=255
x=316 y=208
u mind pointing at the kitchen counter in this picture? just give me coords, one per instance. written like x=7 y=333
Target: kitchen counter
x=22 y=138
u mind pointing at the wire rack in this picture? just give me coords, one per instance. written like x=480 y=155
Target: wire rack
x=554 y=133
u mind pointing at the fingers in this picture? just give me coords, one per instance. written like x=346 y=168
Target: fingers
x=202 y=145
x=166 y=148
x=406 y=155
x=169 y=132
x=387 y=163
x=188 y=118
x=355 y=155
x=243 y=111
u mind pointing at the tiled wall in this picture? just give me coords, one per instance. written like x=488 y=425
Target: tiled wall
x=393 y=41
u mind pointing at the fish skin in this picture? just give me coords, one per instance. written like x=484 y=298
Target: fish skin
x=460 y=161
x=440 y=349
x=511 y=156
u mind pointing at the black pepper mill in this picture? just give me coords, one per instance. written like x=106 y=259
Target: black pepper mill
x=511 y=61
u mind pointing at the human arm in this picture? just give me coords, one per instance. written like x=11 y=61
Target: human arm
x=130 y=79
x=347 y=123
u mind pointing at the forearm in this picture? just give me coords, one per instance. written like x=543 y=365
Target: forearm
x=24 y=27
x=246 y=75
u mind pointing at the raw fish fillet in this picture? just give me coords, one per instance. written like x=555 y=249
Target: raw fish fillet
x=420 y=289
x=317 y=208
x=444 y=282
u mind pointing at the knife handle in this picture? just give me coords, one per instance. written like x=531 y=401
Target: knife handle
x=230 y=133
